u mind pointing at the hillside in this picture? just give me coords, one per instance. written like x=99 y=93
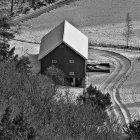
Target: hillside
x=101 y=20
x=89 y=13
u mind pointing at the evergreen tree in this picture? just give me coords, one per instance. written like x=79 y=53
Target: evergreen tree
x=95 y=97
x=6 y=53
x=50 y=1
x=23 y=65
x=133 y=130
x=6 y=125
x=16 y=129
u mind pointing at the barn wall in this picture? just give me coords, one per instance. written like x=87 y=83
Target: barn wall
x=63 y=55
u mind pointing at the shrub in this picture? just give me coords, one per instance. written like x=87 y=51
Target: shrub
x=6 y=54
x=114 y=46
x=133 y=130
x=25 y=10
x=56 y=74
x=50 y=1
x=37 y=112
x=95 y=97
x=23 y=65
x=15 y=129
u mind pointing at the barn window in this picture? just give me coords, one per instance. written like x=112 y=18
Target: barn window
x=71 y=73
x=54 y=61
x=71 y=61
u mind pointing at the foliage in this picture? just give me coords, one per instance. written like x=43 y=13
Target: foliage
x=75 y=121
x=50 y=1
x=39 y=4
x=95 y=97
x=15 y=129
x=25 y=10
x=128 y=32
x=23 y=64
x=6 y=53
x=114 y=46
x=32 y=98
x=56 y=74
x=133 y=130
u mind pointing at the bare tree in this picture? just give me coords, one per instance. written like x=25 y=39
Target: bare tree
x=128 y=32
x=12 y=6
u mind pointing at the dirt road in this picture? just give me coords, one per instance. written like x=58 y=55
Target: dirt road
x=114 y=81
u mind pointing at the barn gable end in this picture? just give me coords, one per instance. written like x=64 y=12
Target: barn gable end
x=64 y=32
x=66 y=48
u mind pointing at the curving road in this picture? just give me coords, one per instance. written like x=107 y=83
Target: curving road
x=112 y=84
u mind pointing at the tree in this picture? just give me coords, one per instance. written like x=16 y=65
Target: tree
x=6 y=53
x=128 y=32
x=32 y=98
x=50 y=1
x=33 y=4
x=23 y=65
x=133 y=130
x=12 y=6
x=56 y=74
x=15 y=129
x=95 y=97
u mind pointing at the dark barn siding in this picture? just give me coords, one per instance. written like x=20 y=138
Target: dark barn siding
x=63 y=55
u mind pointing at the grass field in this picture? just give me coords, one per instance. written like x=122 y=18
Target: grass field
x=97 y=78
x=88 y=13
x=103 y=22
x=130 y=92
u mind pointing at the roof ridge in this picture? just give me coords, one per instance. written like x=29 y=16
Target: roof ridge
x=64 y=32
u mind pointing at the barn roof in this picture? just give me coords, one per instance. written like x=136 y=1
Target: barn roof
x=67 y=33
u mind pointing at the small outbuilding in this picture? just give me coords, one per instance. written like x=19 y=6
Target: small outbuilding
x=66 y=48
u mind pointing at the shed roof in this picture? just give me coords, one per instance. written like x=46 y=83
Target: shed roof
x=67 y=33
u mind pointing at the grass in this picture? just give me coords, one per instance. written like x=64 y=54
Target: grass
x=102 y=21
x=96 y=78
x=129 y=92
x=88 y=13
x=93 y=18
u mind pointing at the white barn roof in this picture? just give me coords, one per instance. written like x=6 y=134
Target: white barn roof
x=67 y=33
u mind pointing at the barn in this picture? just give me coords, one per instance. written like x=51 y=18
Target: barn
x=66 y=48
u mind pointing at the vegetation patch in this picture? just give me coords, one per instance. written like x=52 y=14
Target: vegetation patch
x=114 y=46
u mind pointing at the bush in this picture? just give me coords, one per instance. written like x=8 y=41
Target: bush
x=15 y=129
x=19 y=9
x=56 y=74
x=25 y=10
x=35 y=110
x=39 y=4
x=132 y=130
x=50 y=1
x=6 y=54
x=23 y=65
x=95 y=98
x=114 y=46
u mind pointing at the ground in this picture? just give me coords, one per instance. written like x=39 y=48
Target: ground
x=103 y=22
